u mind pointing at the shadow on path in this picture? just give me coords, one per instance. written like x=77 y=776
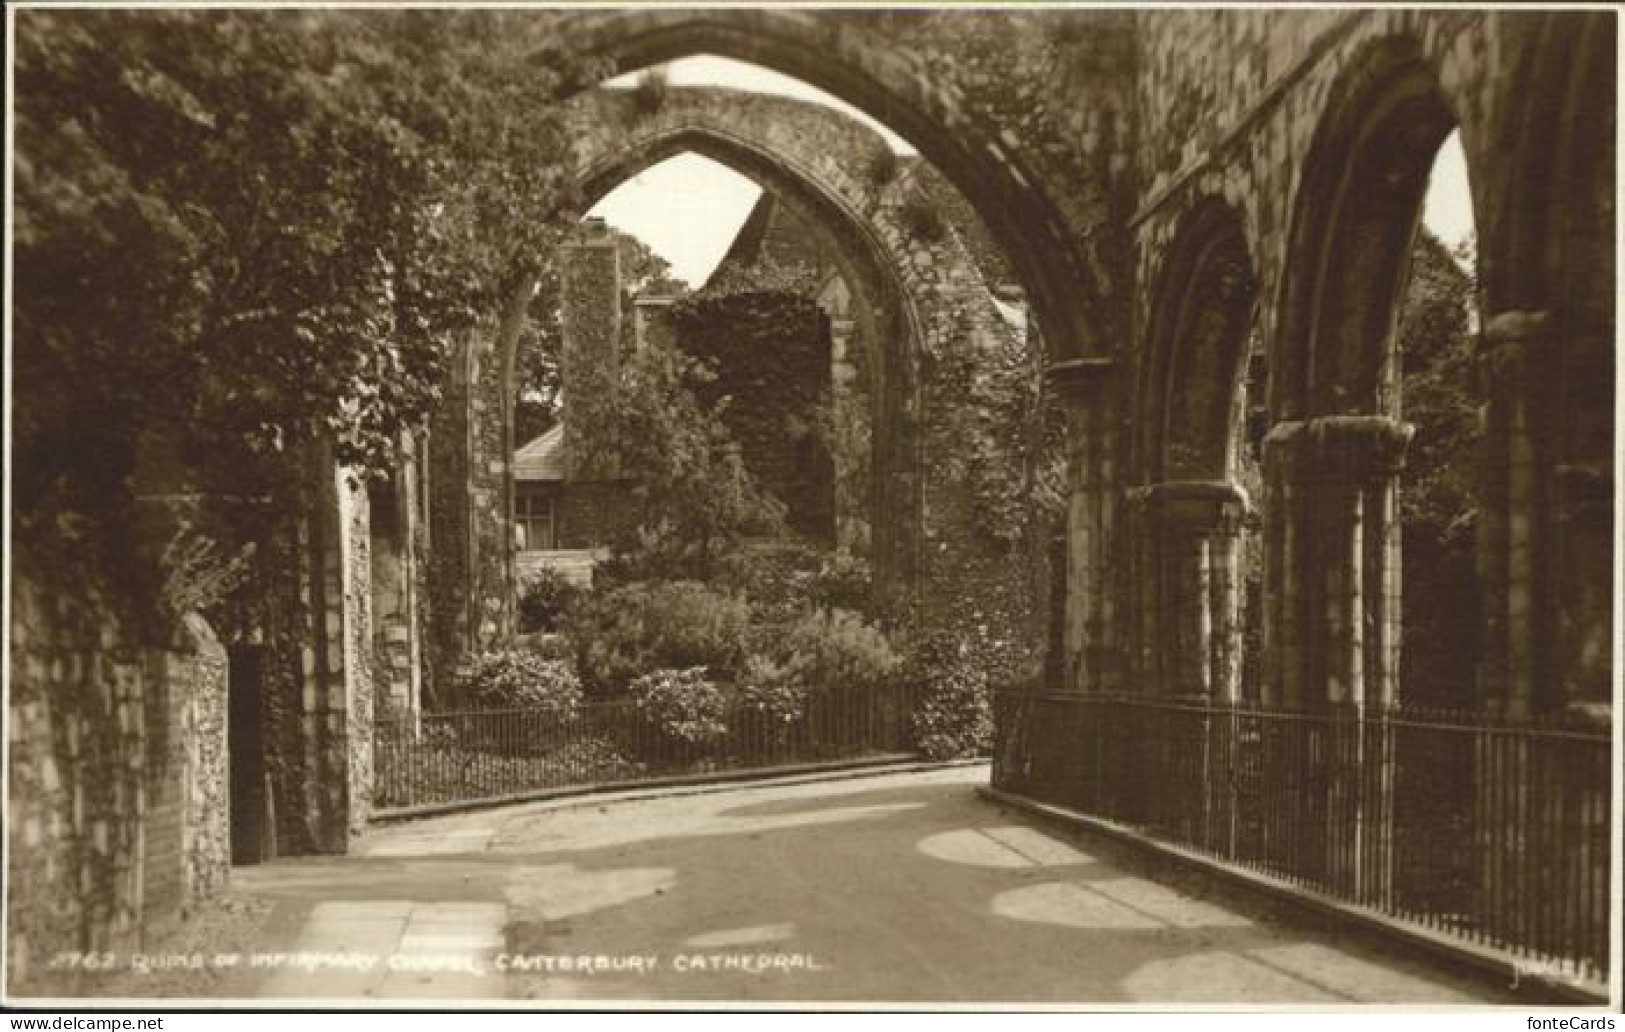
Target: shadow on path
x=907 y=889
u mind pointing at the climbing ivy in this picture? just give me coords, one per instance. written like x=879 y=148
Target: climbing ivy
x=246 y=234
x=762 y=359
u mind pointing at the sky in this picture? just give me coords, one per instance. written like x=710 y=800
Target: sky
x=688 y=208
x=1448 y=208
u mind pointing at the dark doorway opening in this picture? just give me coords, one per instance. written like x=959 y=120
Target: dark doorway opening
x=252 y=841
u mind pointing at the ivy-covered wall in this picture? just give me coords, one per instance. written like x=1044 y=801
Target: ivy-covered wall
x=768 y=354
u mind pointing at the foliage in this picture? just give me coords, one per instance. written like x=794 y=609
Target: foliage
x=636 y=628
x=253 y=233
x=697 y=497
x=682 y=705
x=921 y=217
x=881 y=166
x=762 y=363
x=445 y=770
x=844 y=582
x=762 y=273
x=649 y=93
x=544 y=597
x=953 y=717
x=953 y=711
x=783 y=580
x=769 y=691
x=521 y=679
x=1438 y=499
x=844 y=425
x=1442 y=394
x=548 y=645
x=199 y=573
x=827 y=649
x=776 y=578
x=1014 y=437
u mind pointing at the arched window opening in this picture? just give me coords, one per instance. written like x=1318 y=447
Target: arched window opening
x=1442 y=395
x=1198 y=554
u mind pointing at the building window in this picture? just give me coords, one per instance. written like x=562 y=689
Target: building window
x=533 y=522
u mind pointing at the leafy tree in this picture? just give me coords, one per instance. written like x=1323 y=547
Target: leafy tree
x=764 y=356
x=697 y=497
x=246 y=233
x=1439 y=501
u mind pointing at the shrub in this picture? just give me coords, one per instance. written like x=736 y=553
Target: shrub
x=544 y=597
x=953 y=709
x=650 y=92
x=548 y=646
x=777 y=579
x=682 y=705
x=767 y=691
x=446 y=770
x=922 y=219
x=844 y=582
x=881 y=166
x=521 y=679
x=638 y=628
x=835 y=648
x=768 y=708
x=589 y=759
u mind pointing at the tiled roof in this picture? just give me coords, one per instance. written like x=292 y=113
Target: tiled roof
x=541 y=459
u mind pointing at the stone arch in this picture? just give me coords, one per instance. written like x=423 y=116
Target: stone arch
x=1359 y=199
x=1333 y=455
x=1189 y=509
x=1201 y=315
x=812 y=183
x=837 y=55
x=1550 y=243
x=1548 y=277
x=933 y=310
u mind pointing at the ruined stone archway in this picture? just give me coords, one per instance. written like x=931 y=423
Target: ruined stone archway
x=1548 y=285
x=1201 y=316
x=1187 y=514
x=850 y=58
x=813 y=160
x=929 y=306
x=1334 y=453
x=1359 y=202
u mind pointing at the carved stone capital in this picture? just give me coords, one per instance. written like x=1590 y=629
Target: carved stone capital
x=1081 y=381
x=1200 y=506
x=1347 y=443
x=1516 y=327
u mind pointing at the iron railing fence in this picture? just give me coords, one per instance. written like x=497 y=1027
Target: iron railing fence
x=474 y=755
x=1491 y=831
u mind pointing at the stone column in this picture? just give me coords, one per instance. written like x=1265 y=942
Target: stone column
x=1091 y=660
x=319 y=730
x=851 y=515
x=1546 y=535
x=1332 y=548
x=1545 y=551
x=1194 y=604
x=1511 y=514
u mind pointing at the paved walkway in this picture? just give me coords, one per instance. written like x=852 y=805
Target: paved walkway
x=904 y=888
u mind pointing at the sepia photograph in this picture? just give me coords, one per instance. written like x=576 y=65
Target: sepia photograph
x=798 y=507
